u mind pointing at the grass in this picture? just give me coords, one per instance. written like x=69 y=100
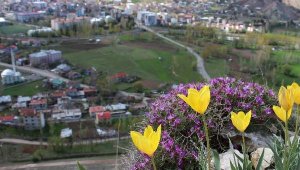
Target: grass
x=15 y=28
x=290 y=57
x=158 y=65
x=222 y=67
x=26 y=89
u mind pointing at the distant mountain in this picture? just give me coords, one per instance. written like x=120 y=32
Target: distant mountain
x=293 y=3
x=272 y=9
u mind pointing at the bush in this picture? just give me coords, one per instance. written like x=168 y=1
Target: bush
x=183 y=132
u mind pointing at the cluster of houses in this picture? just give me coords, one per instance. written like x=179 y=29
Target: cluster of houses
x=65 y=105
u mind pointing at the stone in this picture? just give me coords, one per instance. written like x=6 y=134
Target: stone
x=229 y=156
x=267 y=160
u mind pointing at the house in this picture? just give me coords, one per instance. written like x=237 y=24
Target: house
x=90 y=91
x=63 y=68
x=45 y=57
x=57 y=94
x=9 y=120
x=22 y=102
x=117 y=108
x=66 y=115
x=102 y=116
x=94 y=110
x=38 y=104
x=73 y=75
x=57 y=83
x=32 y=119
x=5 y=99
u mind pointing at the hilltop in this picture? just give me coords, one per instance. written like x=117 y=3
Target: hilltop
x=272 y=9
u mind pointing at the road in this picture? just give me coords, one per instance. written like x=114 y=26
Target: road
x=83 y=142
x=91 y=163
x=44 y=73
x=200 y=62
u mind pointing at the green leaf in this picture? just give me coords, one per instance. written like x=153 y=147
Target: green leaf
x=216 y=160
x=232 y=167
x=239 y=158
x=80 y=167
x=258 y=166
x=277 y=158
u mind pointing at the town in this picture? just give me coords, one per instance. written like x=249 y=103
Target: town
x=78 y=75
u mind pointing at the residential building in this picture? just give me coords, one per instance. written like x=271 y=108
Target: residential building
x=102 y=116
x=5 y=99
x=29 y=16
x=66 y=115
x=32 y=119
x=45 y=57
x=9 y=120
x=62 y=23
x=94 y=110
x=38 y=104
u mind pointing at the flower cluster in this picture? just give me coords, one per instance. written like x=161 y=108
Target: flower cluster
x=183 y=129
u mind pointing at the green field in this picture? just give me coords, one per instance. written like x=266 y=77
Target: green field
x=222 y=67
x=290 y=57
x=14 y=29
x=27 y=89
x=150 y=62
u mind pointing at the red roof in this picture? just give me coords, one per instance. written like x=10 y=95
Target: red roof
x=119 y=75
x=6 y=118
x=96 y=109
x=58 y=93
x=38 y=101
x=27 y=112
x=104 y=115
x=89 y=89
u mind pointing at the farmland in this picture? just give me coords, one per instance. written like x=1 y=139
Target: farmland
x=152 y=60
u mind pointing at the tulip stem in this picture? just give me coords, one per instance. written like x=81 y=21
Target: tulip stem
x=297 y=124
x=207 y=142
x=285 y=161
x=153 y=163
x=244 y=150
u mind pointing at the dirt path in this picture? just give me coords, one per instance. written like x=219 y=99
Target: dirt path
x=200 y=62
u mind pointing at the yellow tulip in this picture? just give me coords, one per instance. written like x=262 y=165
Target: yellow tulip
x=282 y=114
x=241 y=120
x=148 y=142
x=286 y=98
x=198 y=100
x=296 y=90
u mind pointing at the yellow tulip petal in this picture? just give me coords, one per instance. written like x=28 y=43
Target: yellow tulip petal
x=136 y=139
x=281 y=113
x=205 y=99
x=148 y=131
x=147 y=143
x=241 y=120
x=184 y=98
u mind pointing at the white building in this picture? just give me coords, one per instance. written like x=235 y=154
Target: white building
x=11 y=77
x=42 y=30
x=5 y=99
x=68 y=114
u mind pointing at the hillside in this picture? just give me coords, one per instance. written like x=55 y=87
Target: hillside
x=273 y=9
x=293 y=3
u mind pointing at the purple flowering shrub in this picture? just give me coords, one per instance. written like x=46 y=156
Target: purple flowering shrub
x=183 y=132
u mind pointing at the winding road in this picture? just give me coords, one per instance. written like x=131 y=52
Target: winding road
x=200 y=62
